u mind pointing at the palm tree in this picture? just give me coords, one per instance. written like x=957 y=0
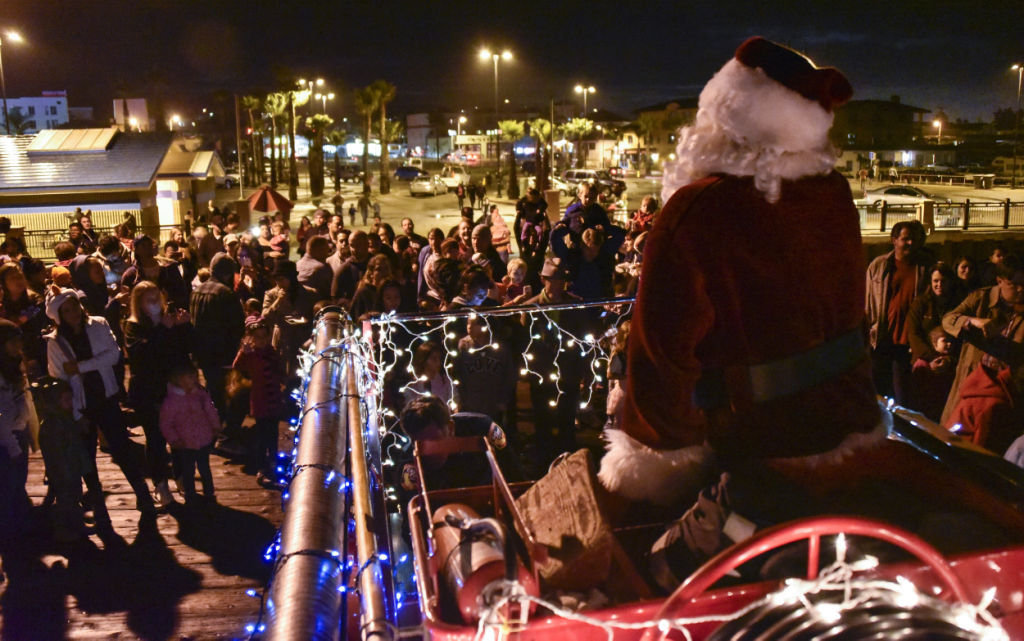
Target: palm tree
x=511 y=131
x=579 y=127
x=337 y=137
x=438 y=125
x=252 y=105
x=394 y=130
x=20 y=123
x=318 y=125
x=275 y=105
x=385 y=94
x=295 y=99
x=646 y=125
x=366 y=102
x=541 y=130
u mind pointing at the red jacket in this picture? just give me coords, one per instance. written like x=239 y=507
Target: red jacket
x=731 y=281
x=266 y=371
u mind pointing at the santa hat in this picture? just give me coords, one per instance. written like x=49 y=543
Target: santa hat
x=772 y=96
x=772 y=107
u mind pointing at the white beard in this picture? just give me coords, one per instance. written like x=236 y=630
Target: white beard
x=750 y=125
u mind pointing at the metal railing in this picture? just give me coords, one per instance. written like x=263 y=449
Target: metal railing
x=305 y=599
x=994 y=180
x=977 y=215
x=40 y=242
x=335 y=534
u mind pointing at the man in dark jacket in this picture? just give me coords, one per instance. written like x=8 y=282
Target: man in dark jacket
x=219 y=324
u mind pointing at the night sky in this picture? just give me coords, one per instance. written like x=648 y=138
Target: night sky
x=950 y=55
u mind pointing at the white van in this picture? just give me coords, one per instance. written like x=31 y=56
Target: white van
x=454 y=175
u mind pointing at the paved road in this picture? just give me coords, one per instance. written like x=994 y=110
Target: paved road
x=428 y=211
x=442 y=210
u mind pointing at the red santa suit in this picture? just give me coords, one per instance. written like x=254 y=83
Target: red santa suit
x=747 y=339
x=747 y=335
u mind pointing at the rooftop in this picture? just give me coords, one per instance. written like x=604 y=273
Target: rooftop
x=126 y=161
x=682 y=103
x=190 y=164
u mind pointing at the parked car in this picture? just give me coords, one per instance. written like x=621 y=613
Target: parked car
x=563 y=187
x=408 y=172
x=454 y=175
x=229 y=179
x=897 y=195
x=427 y=185
x=597 y=177
x=348 y=172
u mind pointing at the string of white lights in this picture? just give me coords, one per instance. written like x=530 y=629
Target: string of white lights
x=838 y=578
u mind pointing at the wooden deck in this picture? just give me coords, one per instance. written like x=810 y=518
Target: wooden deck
x=183 y=577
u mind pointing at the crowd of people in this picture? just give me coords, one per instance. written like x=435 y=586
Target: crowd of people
x=186 y=338
x=947 y=338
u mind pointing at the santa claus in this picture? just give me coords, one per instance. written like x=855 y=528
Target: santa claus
x=747 y=339
x=747 y=360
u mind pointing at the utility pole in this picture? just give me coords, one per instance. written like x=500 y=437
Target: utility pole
x=243 y=168
x=1019 y=68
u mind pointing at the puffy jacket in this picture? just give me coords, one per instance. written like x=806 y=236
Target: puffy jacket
x=188 y=419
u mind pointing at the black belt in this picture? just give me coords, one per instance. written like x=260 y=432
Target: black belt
x=781 y=377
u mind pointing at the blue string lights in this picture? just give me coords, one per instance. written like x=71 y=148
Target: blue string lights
x=375 y=355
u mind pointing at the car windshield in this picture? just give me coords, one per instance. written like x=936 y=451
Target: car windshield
x=602 y=174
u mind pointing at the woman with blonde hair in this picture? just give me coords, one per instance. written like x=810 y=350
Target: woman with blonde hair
x=156 y=341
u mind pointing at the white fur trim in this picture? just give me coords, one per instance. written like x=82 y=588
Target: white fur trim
x=639 y=473
x=750 y=125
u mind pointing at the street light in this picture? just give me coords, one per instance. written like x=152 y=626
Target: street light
x=308 y=85
x=12 y=36
x=585 y=90
x=458 y=128
x=323 y=98
x=938 y=123
x=1019 y=68
x=505 y=55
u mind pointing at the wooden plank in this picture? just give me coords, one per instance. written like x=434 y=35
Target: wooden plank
x=182 y=577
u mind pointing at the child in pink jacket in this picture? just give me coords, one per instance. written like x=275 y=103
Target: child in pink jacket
x=189 y=421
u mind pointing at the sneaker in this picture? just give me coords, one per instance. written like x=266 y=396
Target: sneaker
x=163 y=496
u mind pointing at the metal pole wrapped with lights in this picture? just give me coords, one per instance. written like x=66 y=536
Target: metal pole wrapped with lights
x=306 y=596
